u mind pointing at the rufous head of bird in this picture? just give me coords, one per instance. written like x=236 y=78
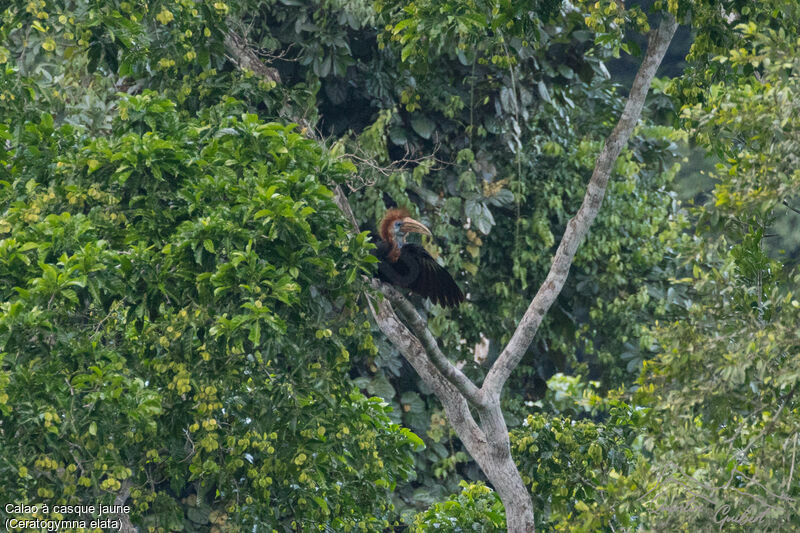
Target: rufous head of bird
x=396 y=224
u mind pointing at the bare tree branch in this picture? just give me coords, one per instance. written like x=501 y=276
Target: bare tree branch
x=453 y=401
x=579 y=225
x=344 y=205
x=244 y=56
x=788 y=205
x=413 y=350
x=126 y=526
x=408 y=160
x=420 y=329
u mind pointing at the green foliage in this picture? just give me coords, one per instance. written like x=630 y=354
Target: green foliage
x=721 y=394
x=749 y=124
x=487 y=117
x=468 y=32
x=70 y=58
x=569 y=395
x=583 y=475
x=180 y=315
x=721 y=22
x=318 y=30
x=178 y=309
x=475 y=508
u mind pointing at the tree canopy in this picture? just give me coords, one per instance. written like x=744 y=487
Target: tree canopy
x=187 y=324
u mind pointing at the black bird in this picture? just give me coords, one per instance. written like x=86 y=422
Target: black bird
x=409 y=265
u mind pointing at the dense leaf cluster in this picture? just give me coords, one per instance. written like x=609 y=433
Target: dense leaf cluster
x=581 y=473
x=178 y=313
x=475 y=508
x=722 y=391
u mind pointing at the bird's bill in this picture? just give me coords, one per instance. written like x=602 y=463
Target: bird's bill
x=412 y=226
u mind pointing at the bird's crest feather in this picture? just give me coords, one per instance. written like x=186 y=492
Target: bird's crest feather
x=388 y=219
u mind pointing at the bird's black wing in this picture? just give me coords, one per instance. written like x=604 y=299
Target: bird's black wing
x=401 y=273
x=432 y=281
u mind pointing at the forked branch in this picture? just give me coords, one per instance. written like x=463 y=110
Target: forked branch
x=420 y=329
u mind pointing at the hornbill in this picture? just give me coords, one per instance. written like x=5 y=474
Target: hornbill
x=409 y=265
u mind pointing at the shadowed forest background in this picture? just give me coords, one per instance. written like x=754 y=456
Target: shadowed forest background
x=185 y=324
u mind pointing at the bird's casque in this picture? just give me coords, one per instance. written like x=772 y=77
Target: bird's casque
x=409 y=265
